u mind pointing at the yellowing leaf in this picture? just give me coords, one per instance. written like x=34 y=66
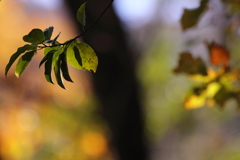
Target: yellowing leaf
x=202 y=96
x=82 y=56
x=194 y=102
x=212 y=89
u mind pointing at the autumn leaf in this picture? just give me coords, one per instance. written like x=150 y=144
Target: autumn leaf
x=189 y=65
x=219 y=55
x=194 y=101
x=204 y=95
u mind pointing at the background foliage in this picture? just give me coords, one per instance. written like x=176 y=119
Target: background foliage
x=41 y=121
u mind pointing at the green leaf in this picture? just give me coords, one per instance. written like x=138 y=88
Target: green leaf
x=56 y=56
x=81 y=15
x=48 y=67
x=35 y=36
x=191 y=17
x=57 y=71
x=56 y=52
x=64 y=68
x=48 y=33
x=189 y=65
x=23 y=62
x=82 y=56
x=16 y=55
x=49 y=49
x=45 y=58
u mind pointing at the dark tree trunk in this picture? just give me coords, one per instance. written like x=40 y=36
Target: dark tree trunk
x=115 y=82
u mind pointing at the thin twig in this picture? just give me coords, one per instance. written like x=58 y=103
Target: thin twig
x=100 y=16
x=86 y=30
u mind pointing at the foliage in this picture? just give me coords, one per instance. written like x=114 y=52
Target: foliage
x=81 y=15
x=56 y=54
x=217 y=81
x=191 y=17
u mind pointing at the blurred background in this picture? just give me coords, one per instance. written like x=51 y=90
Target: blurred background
x=132 y=108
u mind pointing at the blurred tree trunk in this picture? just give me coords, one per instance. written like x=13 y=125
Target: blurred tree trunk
x=115 y=82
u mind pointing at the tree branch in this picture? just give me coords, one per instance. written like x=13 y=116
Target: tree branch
x=85 y=31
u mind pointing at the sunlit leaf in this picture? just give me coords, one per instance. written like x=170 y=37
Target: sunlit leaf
x=49 y=49
x=48 y=67
x=57 y=71
x=191 y=17
x=46 y=57
x=64 y=68
x=82 y=56
x=187 y=64
x=23 y=62
x=35 y=36
x=203 y=95
x=219 y=55
x=16 y=55
x=212 y=89
x=56 y=56
x=81 y=15
x=194 y=101
x=48 y=33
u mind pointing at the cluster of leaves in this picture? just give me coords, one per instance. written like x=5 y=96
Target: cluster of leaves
x=56 y=55
x=217 y=81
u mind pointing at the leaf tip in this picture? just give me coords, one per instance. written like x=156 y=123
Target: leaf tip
x=6 y=72
x=17 y=75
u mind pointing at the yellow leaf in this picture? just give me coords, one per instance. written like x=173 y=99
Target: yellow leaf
x=212 y=89
x=194 y=102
